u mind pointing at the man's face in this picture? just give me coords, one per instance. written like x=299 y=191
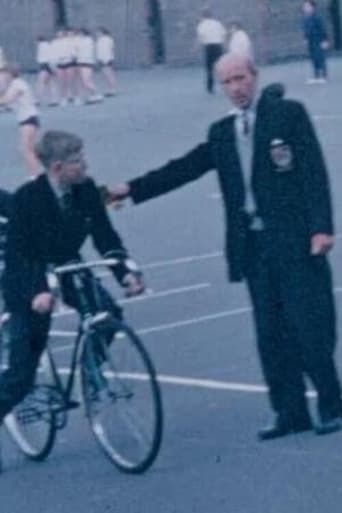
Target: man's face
x=308 y=8
x=72 y=170
x=238 y=82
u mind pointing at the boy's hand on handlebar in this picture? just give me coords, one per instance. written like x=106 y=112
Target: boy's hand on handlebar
x=42 y=303
x=134 y=284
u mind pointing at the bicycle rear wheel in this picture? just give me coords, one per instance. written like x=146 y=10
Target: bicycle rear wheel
x=32 y=423
x=122 y=399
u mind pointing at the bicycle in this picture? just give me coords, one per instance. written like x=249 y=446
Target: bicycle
x=120 y=391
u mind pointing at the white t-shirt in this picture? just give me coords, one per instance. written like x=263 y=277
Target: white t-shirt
x=210 y=31
x=104 y=48
x=86 y=50
x=240 y=44
x=43 y=52
x=73 y=41
x=61 y=51
x=24 y=105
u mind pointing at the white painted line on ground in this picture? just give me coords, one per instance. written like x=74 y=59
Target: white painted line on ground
x=208 y=384
x=166 y=293
x=183 y=260
x=169 y=326
x=175 y=261
x=161 y=327
x=63 y=334
x=195 y=320
x=328 y=117
x=216 y=196
x=64 y=311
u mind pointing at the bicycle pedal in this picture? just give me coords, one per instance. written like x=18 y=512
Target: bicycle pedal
x=70 y=405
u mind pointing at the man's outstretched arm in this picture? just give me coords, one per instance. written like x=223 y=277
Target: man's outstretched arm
x=174 y=174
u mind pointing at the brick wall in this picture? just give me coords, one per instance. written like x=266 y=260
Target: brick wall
x=126 y=20
x=274 y=26
x=22 y=22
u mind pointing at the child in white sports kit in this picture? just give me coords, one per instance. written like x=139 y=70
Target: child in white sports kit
x=63 y=57
x=18 y=94
x=105 y=55
x=86 y=62
x=45 y=86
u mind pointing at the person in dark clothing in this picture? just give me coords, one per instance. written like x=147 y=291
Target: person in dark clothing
x=279 y=228
x=336 y=20
x=211 y=35
x=50 y=219
x=5 y=209
x=5 y=203
x=317 y=40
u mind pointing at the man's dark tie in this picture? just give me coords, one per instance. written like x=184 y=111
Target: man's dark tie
x=66 y=202
x=246 y=128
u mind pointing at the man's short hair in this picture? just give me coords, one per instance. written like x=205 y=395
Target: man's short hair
x=56 y=146
x=229 y=57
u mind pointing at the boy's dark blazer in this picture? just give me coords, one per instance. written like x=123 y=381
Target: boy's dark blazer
x=39 y=234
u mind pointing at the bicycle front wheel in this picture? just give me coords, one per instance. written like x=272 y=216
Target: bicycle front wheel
x=122 y=398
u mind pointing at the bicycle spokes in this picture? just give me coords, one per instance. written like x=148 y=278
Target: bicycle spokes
x=123 y=401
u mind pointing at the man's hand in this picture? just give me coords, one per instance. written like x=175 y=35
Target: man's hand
x=325 y=45
x=116 y=195
x=42 y=303
x=321 y=244
x=134 y=284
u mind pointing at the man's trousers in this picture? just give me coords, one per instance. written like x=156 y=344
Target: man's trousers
x=295 y=324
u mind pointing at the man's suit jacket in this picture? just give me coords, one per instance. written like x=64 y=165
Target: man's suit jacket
x=40 y=234
x=292 y=192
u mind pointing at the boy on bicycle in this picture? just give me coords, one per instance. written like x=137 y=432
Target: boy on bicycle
x=51 y=217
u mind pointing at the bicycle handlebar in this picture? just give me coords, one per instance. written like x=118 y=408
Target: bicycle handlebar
x=78 y=266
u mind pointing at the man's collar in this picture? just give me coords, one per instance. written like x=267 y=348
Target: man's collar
x=56 y=187
x=237 y=111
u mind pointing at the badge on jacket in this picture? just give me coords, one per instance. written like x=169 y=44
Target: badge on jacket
x=281 y=155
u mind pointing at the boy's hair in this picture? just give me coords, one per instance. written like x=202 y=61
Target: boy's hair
x=56 y=146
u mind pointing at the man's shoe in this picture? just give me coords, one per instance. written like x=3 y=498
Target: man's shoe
x=283 y=427
x=313 y=80
x=329 y=426
x=109 y=94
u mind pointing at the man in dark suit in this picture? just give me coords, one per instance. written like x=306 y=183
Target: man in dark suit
x=317 y=40
x=279 y=228
x=50 y=219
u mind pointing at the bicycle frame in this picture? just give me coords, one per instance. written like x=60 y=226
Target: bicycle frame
x=64 y=391
x=33 y=426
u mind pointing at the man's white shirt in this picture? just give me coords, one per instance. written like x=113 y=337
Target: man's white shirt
x=240 y=44
x=245 y=147
x=210 y=31
x=44 y=52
